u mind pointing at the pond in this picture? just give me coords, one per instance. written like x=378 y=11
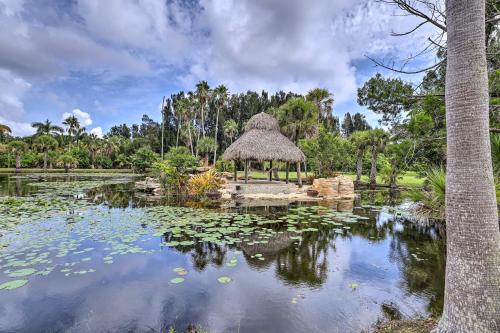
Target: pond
x=88 y=254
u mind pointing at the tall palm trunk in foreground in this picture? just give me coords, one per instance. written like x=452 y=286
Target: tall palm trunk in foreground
x=472 y=290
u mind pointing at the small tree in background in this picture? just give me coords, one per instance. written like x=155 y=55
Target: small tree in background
x=17 y=148
x=45 y=143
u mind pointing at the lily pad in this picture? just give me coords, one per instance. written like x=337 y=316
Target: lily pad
x=14 y=284
x=177 y=280
x=22 y=272
x=224 y=279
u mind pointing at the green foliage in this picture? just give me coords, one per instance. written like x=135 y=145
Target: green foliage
x=82 y=157
x=224 y=166
x=206 y=145
x=201 y=184
x=432 y=200
x=67 y=161
x=17 y=146
x=181 y=159
x=298 y=118
x=328 y=153
x=31 y=159
x=398 y=158
x=143 y=159
x=387 y=97
x=495 y=153
x=103 y=162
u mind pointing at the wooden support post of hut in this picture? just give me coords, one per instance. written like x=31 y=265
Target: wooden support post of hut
x=235 y=176
x=287 y=170
x=262 y=141
x=299 y=180
x=270 y=176
x=246 y=171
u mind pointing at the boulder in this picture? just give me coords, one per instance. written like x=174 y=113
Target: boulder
x=334 y=188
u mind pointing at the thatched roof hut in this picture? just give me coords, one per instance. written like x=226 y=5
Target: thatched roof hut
x=263 y=141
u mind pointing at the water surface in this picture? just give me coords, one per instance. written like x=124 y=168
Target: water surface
x=98 y=257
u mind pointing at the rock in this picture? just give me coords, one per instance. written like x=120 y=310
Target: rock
x=334 y=188
x=149 y=185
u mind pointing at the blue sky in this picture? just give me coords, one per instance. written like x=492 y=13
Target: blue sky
x=111 y=61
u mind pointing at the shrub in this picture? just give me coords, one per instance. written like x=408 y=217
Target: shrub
x=181 y=159
x=224 y=166
x=103 y=162
x=171 y=178
x=201 y=184
x=143 y=159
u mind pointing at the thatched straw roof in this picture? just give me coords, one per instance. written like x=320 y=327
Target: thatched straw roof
x=263 y=141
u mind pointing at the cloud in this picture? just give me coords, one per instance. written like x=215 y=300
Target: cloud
x=97 y=131
x=83 y=117
x=12 y=90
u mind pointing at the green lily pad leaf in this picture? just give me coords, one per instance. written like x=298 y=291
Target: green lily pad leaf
x=22 y=272
x=353 y=285
x=179 y=269
x=14 y=284
x=224 y=279
x=177 y=280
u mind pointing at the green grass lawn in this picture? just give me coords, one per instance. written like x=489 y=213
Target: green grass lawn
x=408 y=179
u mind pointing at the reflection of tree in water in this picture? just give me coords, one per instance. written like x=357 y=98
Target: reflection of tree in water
x=306 y=262
x=205 y=253
x=420 y=252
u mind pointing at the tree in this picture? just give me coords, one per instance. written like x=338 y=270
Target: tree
x=230 y=129
x=472 y=284
x=17 y=148
x=359 y=122
x=397 y=154
x=68 y=161
x=298 y=118
x=202 y=94
x=120 y=130
x=4 y=130
x=390 y=98
x=323 y=100
x=72 y=124
x=45 y=143
x=360 y=141
x=143 y=159
x=47 y=128
x=376 y=139
x=206 y=145
x=347 y=125
x=220 y=96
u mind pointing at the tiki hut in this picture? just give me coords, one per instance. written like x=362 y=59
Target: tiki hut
x=263 y=141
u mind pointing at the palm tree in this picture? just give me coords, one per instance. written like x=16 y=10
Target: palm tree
x=44 y=143
x=47 y=128
x=72 y=124
x=80 y=133
x=323 y=100
x=93 y=144
x=472 y=283
x=376 y=139
x=206 y=145
x=230 y=129
x=298 y=118
x=67 y=161
x=17 y=147
x=202 y=94
x=220 y=96
x=360 y=141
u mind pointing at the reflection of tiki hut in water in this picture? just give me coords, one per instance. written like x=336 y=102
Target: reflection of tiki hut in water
x=269 y=251
x=263 y=141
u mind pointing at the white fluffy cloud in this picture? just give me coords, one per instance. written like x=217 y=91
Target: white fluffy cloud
x=83 y=117
x=97 y=131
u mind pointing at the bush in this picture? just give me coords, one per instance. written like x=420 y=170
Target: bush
x=31 y=159
x=328 y=153
x=224 y=166
x=201 y=184
x=143 y=159
x=103 y=162
x=82 y=157
x=171 y=178
x=181 y=158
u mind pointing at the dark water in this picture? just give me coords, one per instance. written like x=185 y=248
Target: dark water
x=102 y=260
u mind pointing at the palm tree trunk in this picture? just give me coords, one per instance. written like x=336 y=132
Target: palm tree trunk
x=178 y=131
x=359 y=165
x=472 y=287
x=216 y=130
x=202 y=120
x=45 y=158
x=190 y=139
x=373 y=170
x=18 y=162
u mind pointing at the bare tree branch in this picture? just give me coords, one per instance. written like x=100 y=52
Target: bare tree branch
x=378 y=63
